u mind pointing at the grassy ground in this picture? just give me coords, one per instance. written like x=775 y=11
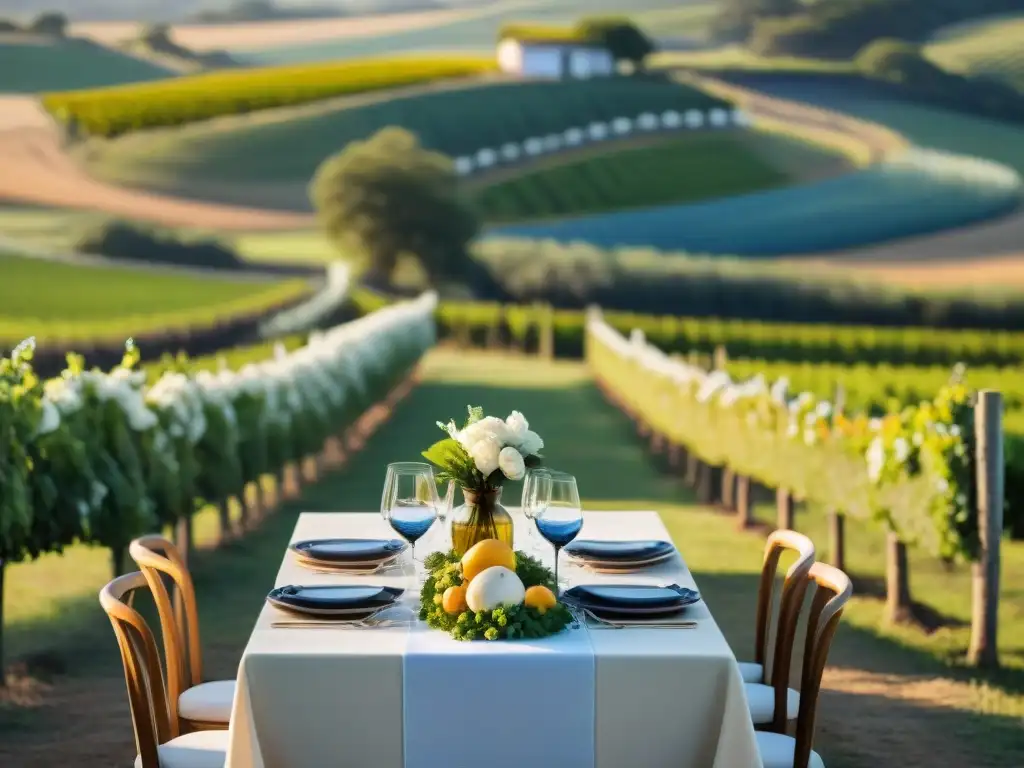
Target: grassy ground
x=49 y=66
x=894 y=697
x=739 y=57
x=676 y=170
x=692 y=20
x=51 y=299
x=990 y=46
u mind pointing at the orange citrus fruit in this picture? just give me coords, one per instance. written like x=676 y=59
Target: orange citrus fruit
x=541 y=598
x=454 y=600
x=486 y=554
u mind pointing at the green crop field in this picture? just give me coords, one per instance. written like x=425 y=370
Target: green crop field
x=30 y=67
x=993 y=47
x=118 y=110
x=909 y=194
x=453 y=120
x=56 y=300
x=682 y=169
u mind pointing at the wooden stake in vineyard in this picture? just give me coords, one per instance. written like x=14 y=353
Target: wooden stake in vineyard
x=836 y=520
x=989 y=476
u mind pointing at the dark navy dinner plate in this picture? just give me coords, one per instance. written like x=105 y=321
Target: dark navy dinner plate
x=349 y=550
x=335 y=597
x=611 y=596
x=610 y=551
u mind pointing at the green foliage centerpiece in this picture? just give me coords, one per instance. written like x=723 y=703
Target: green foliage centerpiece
x=443 y=600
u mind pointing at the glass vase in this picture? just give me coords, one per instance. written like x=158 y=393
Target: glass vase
x=480 y=517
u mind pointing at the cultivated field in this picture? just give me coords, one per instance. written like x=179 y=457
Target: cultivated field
x=649 y=172
x=472 y=30
x=60 y=301
x=257 y=35
x=111 y=112
x=284 y=151
x=45 y=65
x=38 y=171
x=909 y=194
x=993 y=47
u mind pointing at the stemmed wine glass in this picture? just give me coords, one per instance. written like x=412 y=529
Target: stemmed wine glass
x=410 y=503
x=557 y=511
x=529 y=502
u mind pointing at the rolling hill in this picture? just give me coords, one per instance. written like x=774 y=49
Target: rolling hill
x=991 y=46
x=30 y=65
x=268 y=159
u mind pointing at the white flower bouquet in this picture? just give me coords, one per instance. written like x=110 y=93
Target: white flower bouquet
x=480 y=457
x=486 y=452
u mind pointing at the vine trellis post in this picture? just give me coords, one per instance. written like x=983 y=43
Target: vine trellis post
x=990 y=485
x=836 y=520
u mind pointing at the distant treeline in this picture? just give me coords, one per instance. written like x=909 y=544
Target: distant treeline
x=572 y=276
x=53 y=24
x=121 y=240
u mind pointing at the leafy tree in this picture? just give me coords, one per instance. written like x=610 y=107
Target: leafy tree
x=55 y=24
x=620 y=36
x=387 y=196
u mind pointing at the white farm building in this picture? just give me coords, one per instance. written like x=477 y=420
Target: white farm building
x=554 y=58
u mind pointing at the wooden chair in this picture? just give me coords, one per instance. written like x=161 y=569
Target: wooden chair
x=156 y=730
x=772 y=702
x=777 y=749
x=198 y=705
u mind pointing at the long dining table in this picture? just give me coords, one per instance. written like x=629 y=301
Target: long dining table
x=409 y=696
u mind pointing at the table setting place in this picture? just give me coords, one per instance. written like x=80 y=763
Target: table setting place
x=473 y=592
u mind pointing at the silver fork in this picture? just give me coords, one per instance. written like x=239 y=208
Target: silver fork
x=389 y=565
x=603 y=623
x=367 y=622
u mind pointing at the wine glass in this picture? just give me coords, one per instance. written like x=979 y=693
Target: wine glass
x=529 y=502
x=443 y=510
x=410 y=503
x=557 y=511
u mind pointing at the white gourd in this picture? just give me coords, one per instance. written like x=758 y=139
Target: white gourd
x=494 y=587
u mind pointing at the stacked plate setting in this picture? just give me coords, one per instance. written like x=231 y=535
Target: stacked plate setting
x=619 y=556
x=348 y=555
x=632 y=600
x=343 y=602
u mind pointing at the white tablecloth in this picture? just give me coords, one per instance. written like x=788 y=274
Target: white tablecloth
x=414 y=698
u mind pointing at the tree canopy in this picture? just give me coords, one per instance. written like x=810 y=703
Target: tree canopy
x=619 y=35
x=387 y=196
x=50 y=23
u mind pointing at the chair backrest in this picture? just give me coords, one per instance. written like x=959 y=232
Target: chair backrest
x=791 y=601
x=833 y=590
x=151 y=717
x=179 y=625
